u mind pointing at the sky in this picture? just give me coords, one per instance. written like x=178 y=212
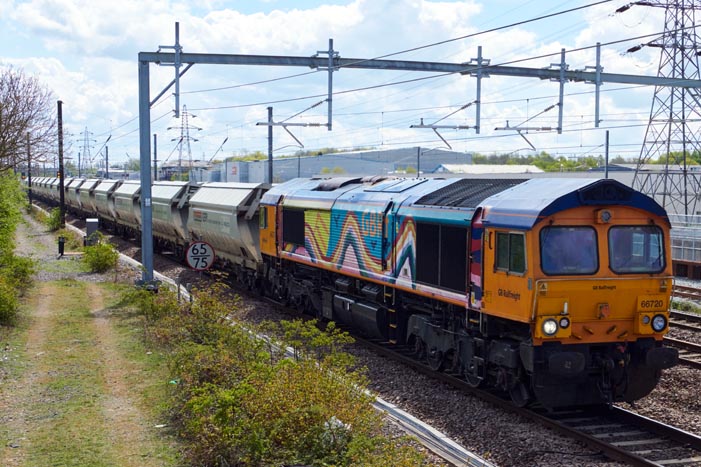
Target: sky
x=86 y=52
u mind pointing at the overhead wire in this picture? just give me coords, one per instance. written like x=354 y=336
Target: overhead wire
x=413 y=49
x=397 y=83
x=379 y=57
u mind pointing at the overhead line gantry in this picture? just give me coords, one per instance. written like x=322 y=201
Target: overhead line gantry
x=476 y=67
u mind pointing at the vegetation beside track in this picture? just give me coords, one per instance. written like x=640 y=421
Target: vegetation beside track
x=236 y=400
x=15 y=271
x=686 y=305
x=77 y=385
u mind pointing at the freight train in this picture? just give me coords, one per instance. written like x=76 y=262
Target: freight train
x=553 y=290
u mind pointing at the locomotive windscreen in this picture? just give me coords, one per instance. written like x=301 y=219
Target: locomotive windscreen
x=468 y=192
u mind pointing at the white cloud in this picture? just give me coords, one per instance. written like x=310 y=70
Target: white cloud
x=86 y=51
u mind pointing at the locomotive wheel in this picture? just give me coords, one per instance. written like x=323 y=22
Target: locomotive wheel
x=472 y=379
x=419 y=348
x=436 y=359
x=519 y=394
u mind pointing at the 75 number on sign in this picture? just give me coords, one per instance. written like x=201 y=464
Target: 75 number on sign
x=200 y=256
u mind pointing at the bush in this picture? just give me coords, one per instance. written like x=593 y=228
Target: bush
x=8 y=303
x=101 y=256
x=14 y=271
x=53 y=221
x=236 y=400
x=18 y=271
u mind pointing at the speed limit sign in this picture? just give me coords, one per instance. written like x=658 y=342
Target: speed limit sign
x=200 y=256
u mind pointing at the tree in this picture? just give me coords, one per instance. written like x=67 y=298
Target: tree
x=26 y=107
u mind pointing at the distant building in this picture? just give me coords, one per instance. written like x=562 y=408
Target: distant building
x=616 y=168
x=376 y=162
x=476 y=169
x=177 y=170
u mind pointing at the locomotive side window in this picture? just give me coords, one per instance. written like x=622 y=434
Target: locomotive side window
x=293 y=226
x=568 y=250
x=636 y=249
x=511 y=252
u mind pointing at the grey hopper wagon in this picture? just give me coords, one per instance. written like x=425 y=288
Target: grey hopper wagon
x=226 y=216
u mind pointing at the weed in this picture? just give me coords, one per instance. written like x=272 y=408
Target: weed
x=53 y=221
x=101 y=256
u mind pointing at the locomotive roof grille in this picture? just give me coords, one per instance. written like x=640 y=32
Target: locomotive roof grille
x=332 y=184
x=467 y=192
x=605 y=192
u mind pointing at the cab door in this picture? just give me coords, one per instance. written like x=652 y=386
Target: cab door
x=506 y=280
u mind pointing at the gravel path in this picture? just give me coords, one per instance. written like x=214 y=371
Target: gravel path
x=46 y=362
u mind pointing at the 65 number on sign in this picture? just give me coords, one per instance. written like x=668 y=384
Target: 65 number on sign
x=200 y=256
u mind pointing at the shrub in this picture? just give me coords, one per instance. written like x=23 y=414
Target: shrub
x=8 y=303
x=236 y=400
x=53 y=221
x=18 y=271
x=101 y=256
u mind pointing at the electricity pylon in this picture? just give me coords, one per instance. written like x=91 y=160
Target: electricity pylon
x=672 y=134
x=185 y=138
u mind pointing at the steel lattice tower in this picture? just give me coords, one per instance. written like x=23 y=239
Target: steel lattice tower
x=673 y=133
x=185 y=138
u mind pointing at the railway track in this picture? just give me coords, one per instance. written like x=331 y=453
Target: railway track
x=683 y=291
x=616 y=433
x=690 y=321
x=689 y=352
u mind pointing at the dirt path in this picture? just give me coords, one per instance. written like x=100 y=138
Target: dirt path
x=72 y=383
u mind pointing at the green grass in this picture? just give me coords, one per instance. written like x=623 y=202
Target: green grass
x=72 y=431
x=64 y=411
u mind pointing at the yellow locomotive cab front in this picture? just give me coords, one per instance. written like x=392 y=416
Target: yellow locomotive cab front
x=607 y=281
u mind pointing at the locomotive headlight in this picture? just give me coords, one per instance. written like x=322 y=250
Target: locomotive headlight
x=550 y=327
x=659 y=323
x=564 y=323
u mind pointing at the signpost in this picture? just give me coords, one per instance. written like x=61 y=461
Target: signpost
x=200 y=256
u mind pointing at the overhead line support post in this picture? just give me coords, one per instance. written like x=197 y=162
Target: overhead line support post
x=479 y=73
x=330 y=67
x=145 y=174
x=562 y=67
x=29 y=169
x=597 y=83
x=270 y=145
x=176 y=63
x=61 y=196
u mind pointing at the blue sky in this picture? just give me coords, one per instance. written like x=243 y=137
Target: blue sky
x=86 y=52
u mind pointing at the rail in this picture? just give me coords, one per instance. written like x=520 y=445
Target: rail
x=689 y=352
x=618 y=434
x=683 y=291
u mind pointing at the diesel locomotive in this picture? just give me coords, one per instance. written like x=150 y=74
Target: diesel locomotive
x=553 y=290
